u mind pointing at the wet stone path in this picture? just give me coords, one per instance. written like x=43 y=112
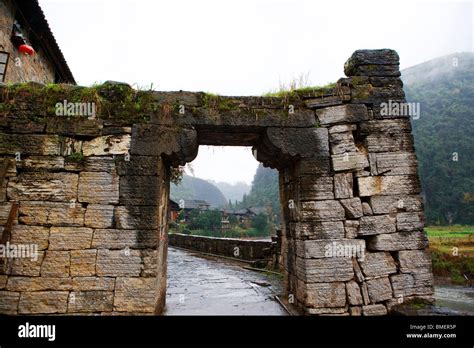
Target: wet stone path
x=202 y=286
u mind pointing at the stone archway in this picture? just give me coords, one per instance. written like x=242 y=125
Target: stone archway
x=353 y=240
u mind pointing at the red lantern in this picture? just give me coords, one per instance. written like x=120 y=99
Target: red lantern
x=26 y=49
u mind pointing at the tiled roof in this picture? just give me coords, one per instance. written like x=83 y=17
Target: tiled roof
x=34 y=15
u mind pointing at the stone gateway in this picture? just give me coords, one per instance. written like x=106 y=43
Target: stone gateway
x=93 y=193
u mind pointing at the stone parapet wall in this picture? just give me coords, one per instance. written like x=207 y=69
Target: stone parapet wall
x=246 y=250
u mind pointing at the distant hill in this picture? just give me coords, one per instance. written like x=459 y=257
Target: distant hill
x=264 y=190
x=234 y=192
x=444 y=87
x=195 y=188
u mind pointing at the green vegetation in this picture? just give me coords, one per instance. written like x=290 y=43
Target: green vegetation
x=292 y=91
x=264 y=191
x=443 y=136
x=75 y=157
x=194 y=188
x=452 y=252
x=209 y=223
x=219 y=103
x=125 y=102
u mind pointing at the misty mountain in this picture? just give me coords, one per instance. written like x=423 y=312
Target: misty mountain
x=444 y=134
x=195 y=188
x=234 y=192
x=265 y=191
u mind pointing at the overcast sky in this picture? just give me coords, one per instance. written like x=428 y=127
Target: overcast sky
x=245 y=47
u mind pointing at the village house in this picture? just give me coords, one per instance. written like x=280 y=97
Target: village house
x=28 y=49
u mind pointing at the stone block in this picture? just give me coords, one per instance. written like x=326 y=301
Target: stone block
x=56 y=264
x=318 y=230
x=410 y=221
x=93 y=283
x=351 y=228
x=9 y=302
x=136 y=295
x=107 y=145
x=70 y=238
x=30 y=144
x=342 y=142
x=35 y=163
x=120 y=239
x=116 y=263
x=413 y=261
x=316 y=188
x=377 y=224
x=90 y=301
x=352 y=207
x=388 y=185
x=349 y=161
x=39 y=284
x=43 y=186
x=83 y=262
x=139 y=190
x=98 y=187
x=335 y=269
x=99 y=216
x=378 y=264
x=51 y=214
x=398 y=241
x=325 y=295
x=43 y=302
x=393 y=204
x=374 y=310
x=379 y=289
x=347 y=113
x=393 y=163
x=354 y=296
x=329 y=210
x=136 y=217
x=27 y=266
x=343 y=185
x=317 y=249
x=28 y=235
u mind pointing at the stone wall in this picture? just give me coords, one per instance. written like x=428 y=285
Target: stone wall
x=22 y=68
x=246 y=250
x=92 y=192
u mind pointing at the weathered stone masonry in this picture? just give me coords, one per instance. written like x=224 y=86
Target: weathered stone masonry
x=93 y=193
